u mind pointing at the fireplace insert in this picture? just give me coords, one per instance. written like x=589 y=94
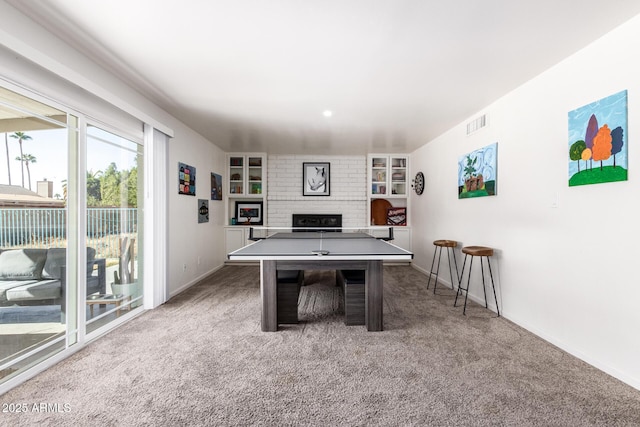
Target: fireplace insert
x=316 y=222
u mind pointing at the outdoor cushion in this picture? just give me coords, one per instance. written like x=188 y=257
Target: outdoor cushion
x=44 y=289
x=57 y=257
x=6 y=285
x=22 y=264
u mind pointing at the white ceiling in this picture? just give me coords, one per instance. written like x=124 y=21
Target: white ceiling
x=256 y=75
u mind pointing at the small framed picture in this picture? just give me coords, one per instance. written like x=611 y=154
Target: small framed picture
x=186 y=179
x=203 y=211
x=315 y=179
x=216 y=186
x=248 y=213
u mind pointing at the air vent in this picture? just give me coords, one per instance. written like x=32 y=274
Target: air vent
x=477 y=124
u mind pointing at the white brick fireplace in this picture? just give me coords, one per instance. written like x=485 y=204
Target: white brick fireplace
x=348 y=189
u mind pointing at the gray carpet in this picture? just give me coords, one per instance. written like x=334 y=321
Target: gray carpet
x=201 y=359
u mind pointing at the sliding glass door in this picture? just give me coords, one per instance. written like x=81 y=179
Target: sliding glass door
x=114 y=187
x=71 y=231
x=37 y=280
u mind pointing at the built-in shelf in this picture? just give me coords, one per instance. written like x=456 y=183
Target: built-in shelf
x=388 y=176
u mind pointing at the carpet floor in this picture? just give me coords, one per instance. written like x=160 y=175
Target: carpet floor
x=201 y=359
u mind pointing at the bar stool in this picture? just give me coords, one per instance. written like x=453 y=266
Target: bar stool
x=439 y=244
x=474 y=251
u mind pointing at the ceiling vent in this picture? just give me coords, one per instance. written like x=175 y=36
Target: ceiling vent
x=477 y=124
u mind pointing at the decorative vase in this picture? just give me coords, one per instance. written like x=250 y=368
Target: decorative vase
x=130 y=290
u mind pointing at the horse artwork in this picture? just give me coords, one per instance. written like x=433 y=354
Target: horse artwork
x=315 y=177
x=318 y=180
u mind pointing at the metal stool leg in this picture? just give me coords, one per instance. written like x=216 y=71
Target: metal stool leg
x=435 y=252
x=466 y=291
x=460 y=289
x=493 y=286
x=433 y=261
x=435 y=285
x=461 y=274
x=484 y=287
x=449 y=253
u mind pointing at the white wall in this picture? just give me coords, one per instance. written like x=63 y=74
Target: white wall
x=348 y=189
x=567 y=273
x=199 y=247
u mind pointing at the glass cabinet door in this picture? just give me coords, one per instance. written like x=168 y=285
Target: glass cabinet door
x=398 y=176
x=236 y=175
x=255 y=175
x=379 y=176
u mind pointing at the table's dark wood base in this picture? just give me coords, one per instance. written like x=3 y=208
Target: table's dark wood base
x=289 y=283
x=352 y=283
x=269 y=287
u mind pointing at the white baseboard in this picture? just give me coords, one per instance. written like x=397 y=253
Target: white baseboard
x=580 y=354
x=194 y=281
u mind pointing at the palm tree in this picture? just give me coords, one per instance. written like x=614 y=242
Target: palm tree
x=6 y=145
x=21 y=136
x=26 y=159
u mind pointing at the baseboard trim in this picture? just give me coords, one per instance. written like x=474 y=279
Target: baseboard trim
x=193 y=282
x=598 y=364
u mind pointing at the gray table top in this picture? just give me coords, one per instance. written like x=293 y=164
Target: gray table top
x=311 y=245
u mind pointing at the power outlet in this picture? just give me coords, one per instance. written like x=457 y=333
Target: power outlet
x=184 y=267
x=198 y=260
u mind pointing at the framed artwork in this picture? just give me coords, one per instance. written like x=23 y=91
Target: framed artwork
x=203 y=211
x=315 y=179
x=186 y=179
x=248 y=213
x=216 y=186
x=597 y=148
x=477 y=172
x=397 y=216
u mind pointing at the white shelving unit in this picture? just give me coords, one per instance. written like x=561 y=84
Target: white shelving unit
x=388 y=175
x=388 y=178
x=247 y=175
x=246 y=181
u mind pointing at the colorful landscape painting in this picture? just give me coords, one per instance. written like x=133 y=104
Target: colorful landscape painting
x=477 y=172
x=597 y=147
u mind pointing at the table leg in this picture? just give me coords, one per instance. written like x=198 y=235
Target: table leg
x=269 y=294
x=373 y=296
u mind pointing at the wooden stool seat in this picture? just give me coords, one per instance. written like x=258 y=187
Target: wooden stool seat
x=446 y=243
x=477 y=251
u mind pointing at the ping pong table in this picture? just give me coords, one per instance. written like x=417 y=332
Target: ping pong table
x=321 y=250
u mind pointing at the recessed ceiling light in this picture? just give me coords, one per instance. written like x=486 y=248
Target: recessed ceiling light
x=327 y=113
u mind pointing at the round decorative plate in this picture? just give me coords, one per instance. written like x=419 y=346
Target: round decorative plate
x=418 y=183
